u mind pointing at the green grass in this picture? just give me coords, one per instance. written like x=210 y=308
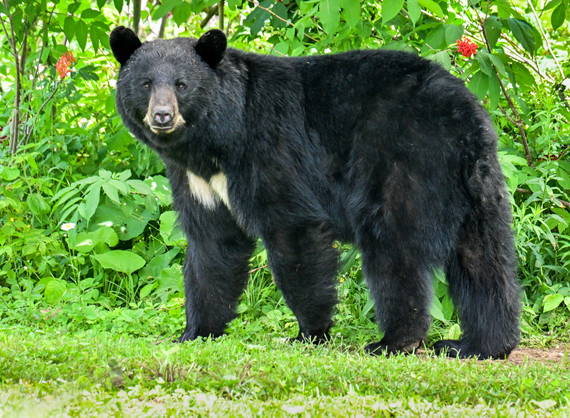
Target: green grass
x=88 y=373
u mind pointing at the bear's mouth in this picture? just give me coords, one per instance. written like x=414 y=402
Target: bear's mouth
x=162 y=130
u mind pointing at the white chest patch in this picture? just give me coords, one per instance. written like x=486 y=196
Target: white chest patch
x=209 y=193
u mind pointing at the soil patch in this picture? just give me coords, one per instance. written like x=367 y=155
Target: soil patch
x=523 y=355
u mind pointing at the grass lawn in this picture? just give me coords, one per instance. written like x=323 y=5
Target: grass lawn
x=93 y=373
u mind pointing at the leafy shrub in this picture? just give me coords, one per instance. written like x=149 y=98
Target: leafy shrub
x=86 y=222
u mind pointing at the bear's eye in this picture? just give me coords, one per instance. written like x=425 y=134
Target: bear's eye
x=180 y=85
x=147 y=84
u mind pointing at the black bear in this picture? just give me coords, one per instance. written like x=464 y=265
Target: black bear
x=380 y=148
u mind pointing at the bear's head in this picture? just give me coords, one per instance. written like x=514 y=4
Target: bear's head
x=165 y=86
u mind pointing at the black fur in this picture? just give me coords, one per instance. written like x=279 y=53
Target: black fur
x=380 y=148
x=123 y=42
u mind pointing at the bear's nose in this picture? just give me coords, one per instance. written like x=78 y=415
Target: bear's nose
x=162 y=115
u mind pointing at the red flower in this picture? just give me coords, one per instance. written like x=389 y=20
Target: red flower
x=63 y=64
x=466 y=47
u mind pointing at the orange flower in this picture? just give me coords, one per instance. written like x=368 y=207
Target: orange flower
x=466 y=47
x=63 y=64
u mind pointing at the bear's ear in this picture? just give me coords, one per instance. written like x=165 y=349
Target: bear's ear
x=212 y=46
x=123 y=43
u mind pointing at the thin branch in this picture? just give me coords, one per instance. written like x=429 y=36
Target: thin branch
x=27 y=128
x=17 y=97
x=136 y=15
x=11 y=39
x=221 y=14
x=258 y=268
x=517 y=120
x=256 y=4
x=29 y=134
x=212 y=11
x=526 y=191
x=162 y=27
x=546 y=39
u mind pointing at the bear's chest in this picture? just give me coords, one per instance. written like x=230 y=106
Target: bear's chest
x=209 y=192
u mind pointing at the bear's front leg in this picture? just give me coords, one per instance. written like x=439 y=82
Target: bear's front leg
x=216 y=271
x=304 y=263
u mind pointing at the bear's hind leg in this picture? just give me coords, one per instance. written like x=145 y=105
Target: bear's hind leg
x=304 y=263
x=482 y=282
x=481 y=271
x=401 y=290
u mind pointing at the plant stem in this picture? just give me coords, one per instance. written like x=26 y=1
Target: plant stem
x=517 y=119
x=221 y=14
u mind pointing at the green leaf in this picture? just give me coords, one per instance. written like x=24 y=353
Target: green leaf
x=330 y=15
x=442 y=58
x=69 y=27
x=498 y=63
x=165 y=8
x=257 y=19
x=170 y=230
x=88 y=208
x=158 y=263
x=558 y=16
x=433 y=7
x=81 y=32
x=522 y=76
x=89 y=13
x=479 y=84
x=524 y=33
x=121 y=261
x=414 y=10
x=551 y=302
x=485 y=62
x=54 y=290
x=453 y=33
x=280 y=10
x=140 y=187
x=111 y=192
x=161 y=188
x=233 y=4
x=436 y=37
x=118 y=5
x=105 y=174
x=348 y=260
x=94 y=35
x=37 y=204
x=9 y=173
x=181 y=13
x=72 y=8
x=436 y=310
x=551 y=4
x=282 y=48
x=351 y=11
x=493 y=28
x=32 y=163
x=454 y=332
x=86 y=241
x=145 y=291
x=390 y=9
x=494 y=91
x=170 y=279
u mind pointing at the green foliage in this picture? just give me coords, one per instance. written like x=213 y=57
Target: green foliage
x=87 y=231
